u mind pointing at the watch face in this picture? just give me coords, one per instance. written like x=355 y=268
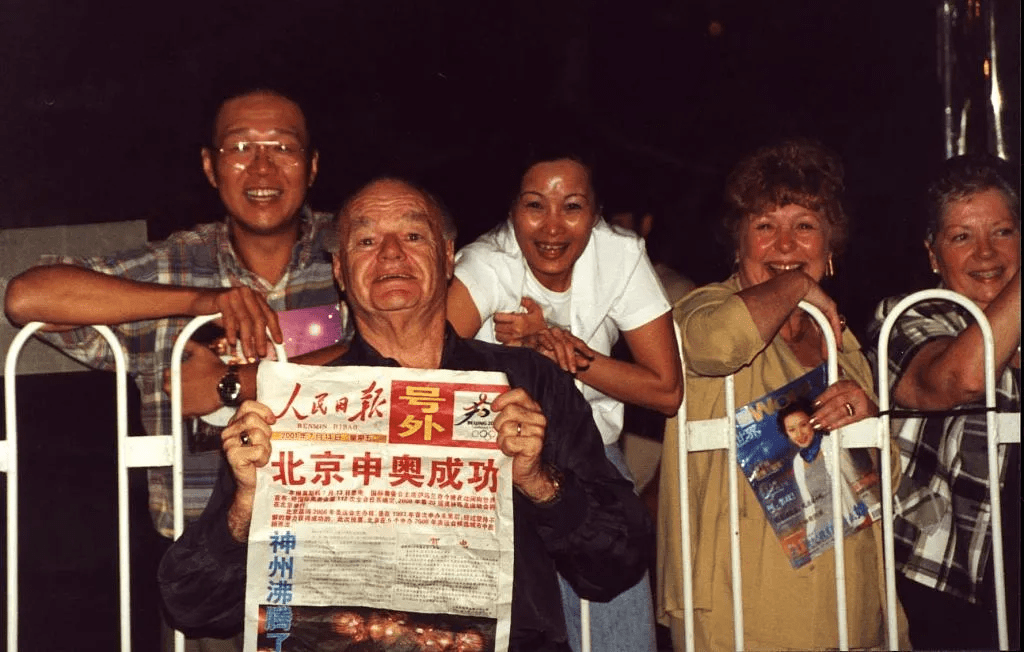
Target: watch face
x=229 y=389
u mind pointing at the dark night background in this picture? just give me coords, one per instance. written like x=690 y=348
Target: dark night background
x=104 y=106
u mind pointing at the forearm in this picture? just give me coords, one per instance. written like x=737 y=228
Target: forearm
x=462 y=312
x=632 y=383
x=202 y=575
x=654 y=379
x=772 y=302
x=68 y=296
x=598 y=533
x=951 y=371
x=239 y=516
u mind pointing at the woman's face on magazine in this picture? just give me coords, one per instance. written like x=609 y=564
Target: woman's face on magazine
x=799 y=429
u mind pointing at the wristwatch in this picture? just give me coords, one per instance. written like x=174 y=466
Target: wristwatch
x=230 y=387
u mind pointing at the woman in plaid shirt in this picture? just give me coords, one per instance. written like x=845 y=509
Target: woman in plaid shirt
x=943 y=539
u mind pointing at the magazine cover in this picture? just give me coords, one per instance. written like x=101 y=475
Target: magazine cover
x=789 y=466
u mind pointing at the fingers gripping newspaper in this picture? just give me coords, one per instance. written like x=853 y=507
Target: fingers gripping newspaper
x=383 y=520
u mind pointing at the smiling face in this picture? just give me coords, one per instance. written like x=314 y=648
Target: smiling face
x=780 y=240
x=262 y=193
x=977 y=247
x=393 y=255
x=553 y=216
x=799 y=429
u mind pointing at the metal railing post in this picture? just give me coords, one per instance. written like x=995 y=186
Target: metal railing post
x=992 y=423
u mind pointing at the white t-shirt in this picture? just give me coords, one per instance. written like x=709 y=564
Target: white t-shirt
x=613 y=288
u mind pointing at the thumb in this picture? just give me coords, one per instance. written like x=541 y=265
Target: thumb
x=530 y=305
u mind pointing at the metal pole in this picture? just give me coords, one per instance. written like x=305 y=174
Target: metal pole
x=837 y=503
x=682 y=436
x=993 y=440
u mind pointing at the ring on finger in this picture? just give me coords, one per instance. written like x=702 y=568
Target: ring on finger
x=519 y=428
x=245 y=439
x=850 y=409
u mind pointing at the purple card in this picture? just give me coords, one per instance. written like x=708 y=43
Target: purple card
x=310 y=329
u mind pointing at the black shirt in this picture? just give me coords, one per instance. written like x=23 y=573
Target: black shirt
x=597 y=534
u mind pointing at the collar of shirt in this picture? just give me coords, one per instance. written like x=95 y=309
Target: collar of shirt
x=361 y=353
x=311 y=227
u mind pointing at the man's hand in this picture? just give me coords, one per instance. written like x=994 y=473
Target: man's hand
x=245 y=316
x=246 y=443
x=521 y=429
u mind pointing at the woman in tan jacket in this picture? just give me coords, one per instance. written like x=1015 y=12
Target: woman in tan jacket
x=786 y=222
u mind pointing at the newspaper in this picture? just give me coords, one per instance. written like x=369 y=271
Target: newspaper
x=792 y=478
x=384 y=518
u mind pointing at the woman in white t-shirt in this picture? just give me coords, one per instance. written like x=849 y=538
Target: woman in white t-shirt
x=556 y=277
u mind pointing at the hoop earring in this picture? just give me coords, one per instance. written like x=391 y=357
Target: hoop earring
x=829 y=269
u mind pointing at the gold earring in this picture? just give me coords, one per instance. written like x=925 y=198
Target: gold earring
x=829 y=269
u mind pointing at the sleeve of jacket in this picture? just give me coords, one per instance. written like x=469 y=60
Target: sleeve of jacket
x=719 y=334
x=598 y=532
x=202 y=575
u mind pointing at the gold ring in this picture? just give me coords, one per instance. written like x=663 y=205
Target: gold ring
x=849 y=409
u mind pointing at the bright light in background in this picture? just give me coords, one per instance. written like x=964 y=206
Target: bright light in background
x=315 y=329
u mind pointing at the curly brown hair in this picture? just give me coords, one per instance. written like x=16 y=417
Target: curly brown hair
x=801 y=172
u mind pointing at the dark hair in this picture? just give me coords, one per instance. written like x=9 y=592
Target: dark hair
x=800 y=404
x=801 y=172
x=235 y=92
x=963 y=176
x=448 y=228
x=546 y=152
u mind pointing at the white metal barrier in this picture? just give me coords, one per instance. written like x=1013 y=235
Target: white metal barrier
x=132 y=452
x=996 y=435
x=720 y=433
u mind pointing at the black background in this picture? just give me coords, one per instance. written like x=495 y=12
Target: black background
x=104 y=106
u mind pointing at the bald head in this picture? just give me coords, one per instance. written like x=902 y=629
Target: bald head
x=395 y=250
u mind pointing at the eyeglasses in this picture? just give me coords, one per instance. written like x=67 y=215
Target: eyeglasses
x=244 y=152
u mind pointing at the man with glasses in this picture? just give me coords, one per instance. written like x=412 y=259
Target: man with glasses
x=267 y=256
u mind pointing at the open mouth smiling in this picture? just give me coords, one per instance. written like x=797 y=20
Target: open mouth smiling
x=551 y=249
x=779 y=268
x=263 y=194
x=987 y=275
x=393 y=277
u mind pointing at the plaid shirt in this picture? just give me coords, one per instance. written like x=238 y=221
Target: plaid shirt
x=943 y=515
x=204 y=258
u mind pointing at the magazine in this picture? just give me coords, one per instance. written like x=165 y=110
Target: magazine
x=789 y=466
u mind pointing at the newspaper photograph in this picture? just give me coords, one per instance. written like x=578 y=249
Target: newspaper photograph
x=789 y=466
x=383 y=521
